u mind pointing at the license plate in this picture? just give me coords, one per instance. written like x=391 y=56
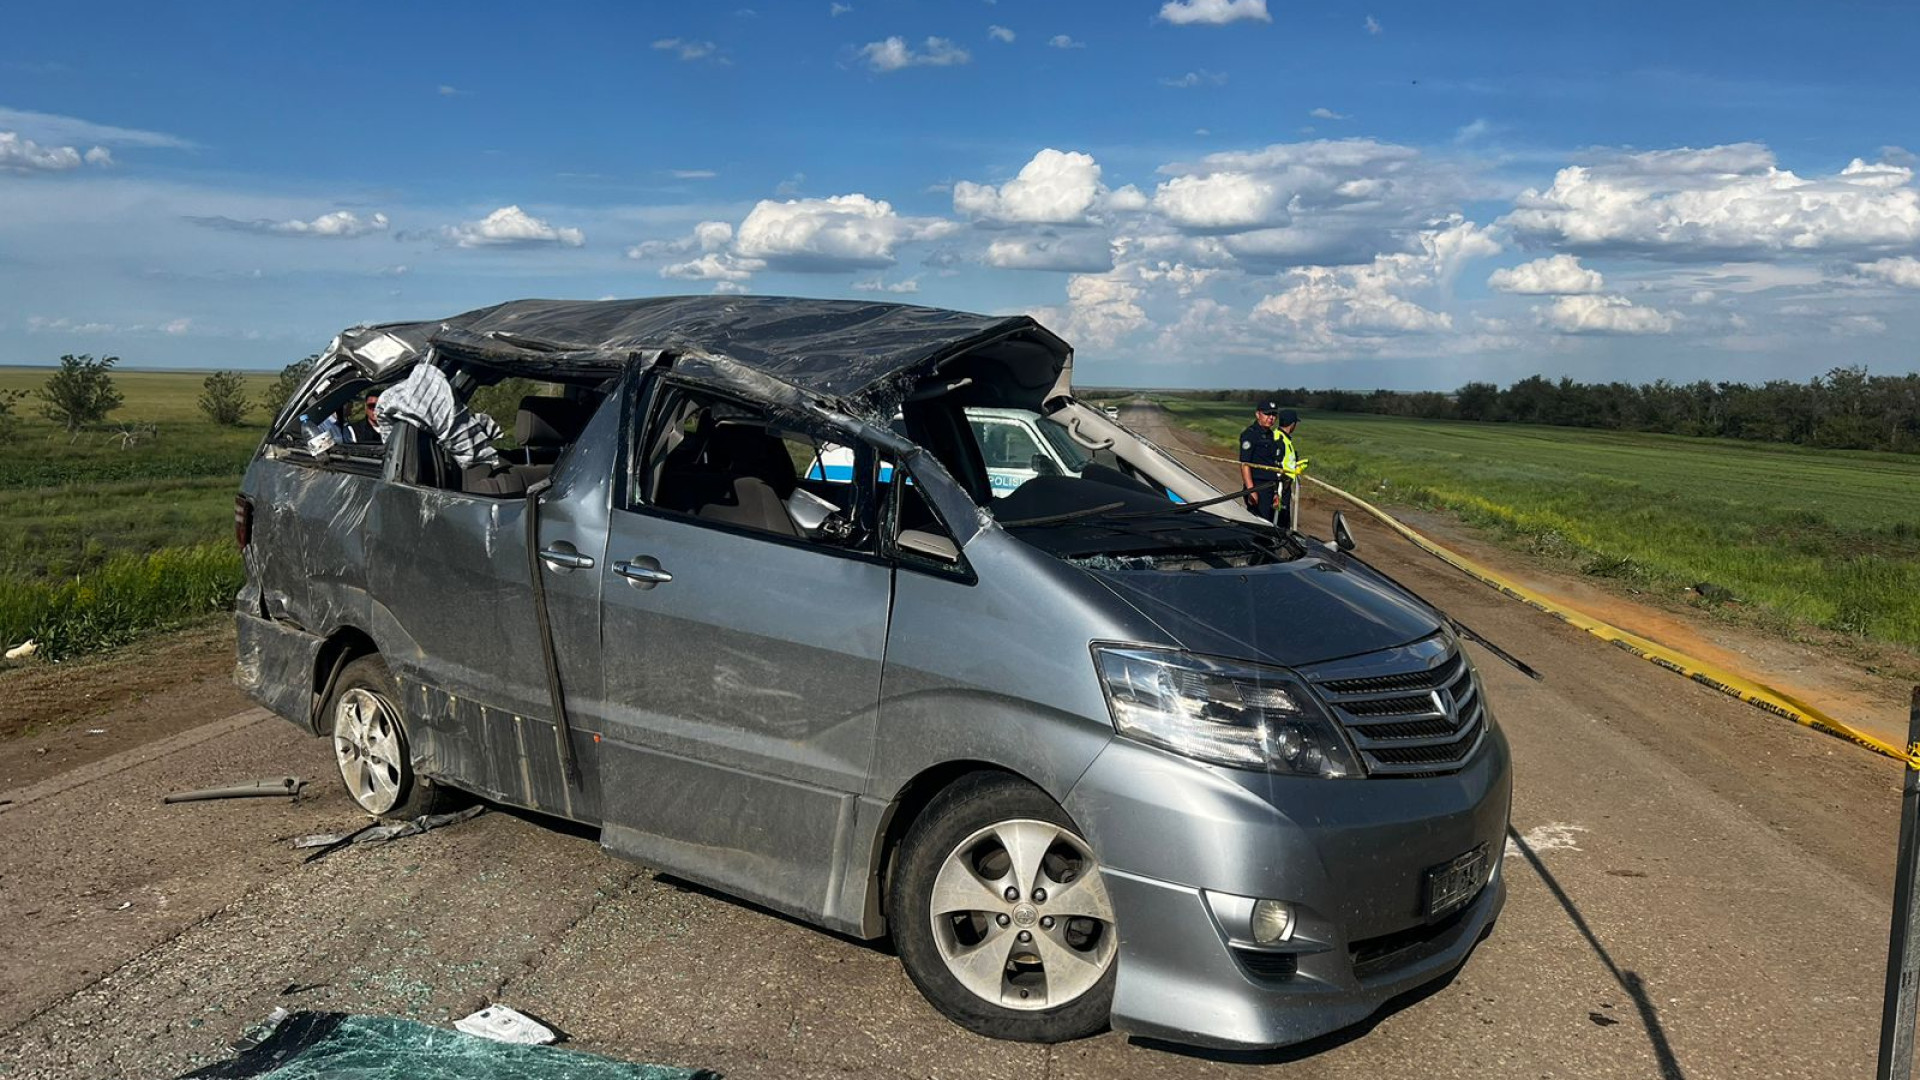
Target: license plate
x=1455 y=881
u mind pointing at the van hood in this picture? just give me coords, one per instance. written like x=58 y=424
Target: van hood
x=1304 y=611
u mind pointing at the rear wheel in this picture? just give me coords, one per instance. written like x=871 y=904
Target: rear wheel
x=1001 y=916
x=371 y=748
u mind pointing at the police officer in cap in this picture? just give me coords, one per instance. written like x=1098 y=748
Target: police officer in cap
x=1260 y=446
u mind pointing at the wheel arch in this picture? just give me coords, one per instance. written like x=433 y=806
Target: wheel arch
x=908 y=803
x=342 y=647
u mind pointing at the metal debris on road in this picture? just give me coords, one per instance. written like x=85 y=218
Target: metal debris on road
x=286 y=785
x=328 y=843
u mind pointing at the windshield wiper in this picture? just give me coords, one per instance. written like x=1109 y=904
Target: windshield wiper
x=1059 y=519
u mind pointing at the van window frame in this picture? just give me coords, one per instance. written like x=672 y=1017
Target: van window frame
x=285 y=435
x=640 y=412
x=961 y=572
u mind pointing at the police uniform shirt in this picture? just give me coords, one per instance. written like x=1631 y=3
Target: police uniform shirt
x=1259 y=447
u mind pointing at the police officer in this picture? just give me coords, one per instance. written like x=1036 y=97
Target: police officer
x=1290 y=464
x=1260 y=446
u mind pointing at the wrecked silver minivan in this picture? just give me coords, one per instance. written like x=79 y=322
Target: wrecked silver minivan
x=1088 y=755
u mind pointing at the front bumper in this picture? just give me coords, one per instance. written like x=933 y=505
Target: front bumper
x=1349 y=855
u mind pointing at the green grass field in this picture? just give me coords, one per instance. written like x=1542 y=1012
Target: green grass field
x=1826 y=538
x=110 y=538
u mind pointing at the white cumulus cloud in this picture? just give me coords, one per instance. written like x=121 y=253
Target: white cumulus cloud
x=706 y=236
x=1605 y=314
x=712 y=266
x=1221 y=201
x=1329 y=202
x=1213 y=12
x=1324 y=113
x=337 y=223
x=511 y=226
x=1000 y=33
x=1719 y=202
x=894 y=54
x=836 y=233
x=23 y=155
x=1062 y=41
x=1055 y=188
x=1100 y=310
x=1557 y=275
x=1372 y=25
x=1347 y=306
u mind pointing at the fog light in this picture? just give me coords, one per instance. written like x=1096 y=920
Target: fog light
x=1272 y=921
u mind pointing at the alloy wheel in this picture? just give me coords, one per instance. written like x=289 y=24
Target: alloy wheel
x=1021 y=916
x=370 y=749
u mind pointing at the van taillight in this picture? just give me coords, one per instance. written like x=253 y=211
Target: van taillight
x=242 y=520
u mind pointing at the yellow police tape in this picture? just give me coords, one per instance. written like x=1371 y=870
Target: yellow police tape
x=1759 y=695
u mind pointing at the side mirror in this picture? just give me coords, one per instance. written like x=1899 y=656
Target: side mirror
x=930 y=546
x=1342 y=538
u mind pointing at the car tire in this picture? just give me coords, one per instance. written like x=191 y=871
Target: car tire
x=371 y=747
x=952 y=914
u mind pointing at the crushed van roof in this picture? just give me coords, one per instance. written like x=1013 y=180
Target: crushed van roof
x=833 y=350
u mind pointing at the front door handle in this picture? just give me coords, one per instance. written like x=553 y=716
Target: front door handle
x=561 y=558
x=642 y=572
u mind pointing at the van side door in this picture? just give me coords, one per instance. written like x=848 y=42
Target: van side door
x=742 y=655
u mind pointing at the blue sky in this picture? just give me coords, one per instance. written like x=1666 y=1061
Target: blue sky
x=1194 y=192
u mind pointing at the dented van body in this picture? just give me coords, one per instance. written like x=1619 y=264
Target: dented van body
x=1098 y=750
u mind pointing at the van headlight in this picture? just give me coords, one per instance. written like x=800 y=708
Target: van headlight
x=1226 y=712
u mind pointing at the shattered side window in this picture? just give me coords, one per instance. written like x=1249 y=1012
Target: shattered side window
x=733 y=464
x=332 y=426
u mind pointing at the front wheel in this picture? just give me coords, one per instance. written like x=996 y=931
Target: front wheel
x=1001 y=916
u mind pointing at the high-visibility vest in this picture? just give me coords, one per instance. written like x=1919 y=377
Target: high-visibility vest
x=1288 y=463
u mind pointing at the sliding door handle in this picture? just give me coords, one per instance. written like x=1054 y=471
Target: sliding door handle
x=642 y=572
x=565 y=558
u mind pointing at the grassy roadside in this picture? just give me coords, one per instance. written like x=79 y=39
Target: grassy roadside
x=1804 y=538
x=126 y=528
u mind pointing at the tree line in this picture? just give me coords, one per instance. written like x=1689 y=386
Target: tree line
x=1847 y=408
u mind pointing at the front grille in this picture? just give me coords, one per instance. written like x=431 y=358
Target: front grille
x=1422 y=720
x=1407 y=680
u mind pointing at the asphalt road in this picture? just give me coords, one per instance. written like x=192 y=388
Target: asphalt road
x=1697 y=890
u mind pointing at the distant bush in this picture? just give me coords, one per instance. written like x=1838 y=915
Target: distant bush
x=290 y=380
x=9 y=420
x=223 y=398
x=81 y=392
